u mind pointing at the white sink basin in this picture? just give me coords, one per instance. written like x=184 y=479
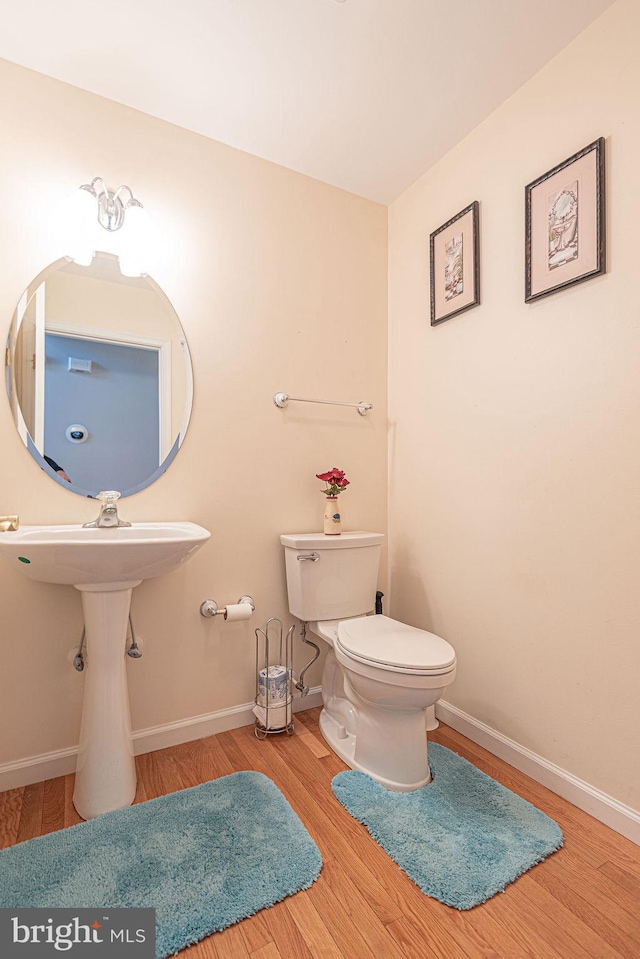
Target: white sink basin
x=120 y=556
x=105 y=565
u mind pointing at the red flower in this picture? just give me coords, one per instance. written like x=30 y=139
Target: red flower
x=335 y=479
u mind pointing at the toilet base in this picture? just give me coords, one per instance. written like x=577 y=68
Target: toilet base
x=343 y=744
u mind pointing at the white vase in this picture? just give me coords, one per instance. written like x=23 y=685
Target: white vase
x=332 y=518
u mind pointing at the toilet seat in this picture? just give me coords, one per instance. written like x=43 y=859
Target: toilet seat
x=386 y=644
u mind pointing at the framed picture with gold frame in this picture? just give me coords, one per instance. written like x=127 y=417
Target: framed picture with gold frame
x=454 y=258
x=565 y=224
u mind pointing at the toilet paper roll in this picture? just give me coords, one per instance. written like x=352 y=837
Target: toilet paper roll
x=238 y=611
x=276 y=718
x=275 y=681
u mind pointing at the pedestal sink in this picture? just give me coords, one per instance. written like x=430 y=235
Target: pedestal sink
x=105 y=565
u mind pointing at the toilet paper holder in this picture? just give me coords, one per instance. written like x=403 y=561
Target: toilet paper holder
x=273 y=709
x=210 y=608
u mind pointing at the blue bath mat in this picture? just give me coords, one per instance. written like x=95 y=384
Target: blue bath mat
x=204 y=858
x=462 y=838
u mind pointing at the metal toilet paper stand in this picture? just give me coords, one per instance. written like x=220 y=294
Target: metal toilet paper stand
x=273 y=709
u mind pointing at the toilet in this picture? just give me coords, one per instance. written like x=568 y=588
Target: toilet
x=380 y=675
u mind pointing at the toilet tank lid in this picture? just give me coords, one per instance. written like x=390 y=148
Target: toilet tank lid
x=325 y=541
x=380 y=639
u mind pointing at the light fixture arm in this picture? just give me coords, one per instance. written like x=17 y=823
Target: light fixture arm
x=111 y=208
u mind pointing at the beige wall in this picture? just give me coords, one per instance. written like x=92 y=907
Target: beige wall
x=280 y=284
x=514 y=507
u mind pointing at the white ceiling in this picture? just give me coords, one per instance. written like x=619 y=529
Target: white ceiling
x=363 y=94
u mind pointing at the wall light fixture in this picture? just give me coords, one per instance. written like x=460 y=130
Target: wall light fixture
x=94 y=203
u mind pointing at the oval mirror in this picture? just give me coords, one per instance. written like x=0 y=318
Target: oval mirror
x=98 y=376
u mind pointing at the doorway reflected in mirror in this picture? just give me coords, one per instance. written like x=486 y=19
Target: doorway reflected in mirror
x=90 y=346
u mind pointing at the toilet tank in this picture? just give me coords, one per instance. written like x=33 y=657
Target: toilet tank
x=340 y=583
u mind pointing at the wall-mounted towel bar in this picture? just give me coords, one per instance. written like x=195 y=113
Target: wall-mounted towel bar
x=281 y=400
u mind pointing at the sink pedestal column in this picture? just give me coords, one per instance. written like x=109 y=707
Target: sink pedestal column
x=106 y=773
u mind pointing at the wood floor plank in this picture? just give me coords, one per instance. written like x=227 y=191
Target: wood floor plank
x=628 y=885
x=474 y=936
x=447 y=931
x=53 y=802
x=256 y=932
x=218 y=756
x=233 y=750
x=195 y=763
x=627 y=859
x=601 y=892
x=202 y=760
x=603 y=916
x=411 y=940
x=312 y=742
x=319 y=940
x=332 y=765
x=10 y=810
x=269 y=951
x=230 y=944
x=589 y=939
x=285 y=933
x=364 y=917
x=31 y=813
x=556 y=924
x=508 y=938
x=509 y=918
x=308 y=719
x=158 y=773
x=205 y=949
x=71 y=815
x=337 y=920
x=141 y=793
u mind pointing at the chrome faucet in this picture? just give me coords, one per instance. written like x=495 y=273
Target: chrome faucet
x=108 y=515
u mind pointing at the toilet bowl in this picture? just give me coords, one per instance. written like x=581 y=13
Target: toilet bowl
x=379 y=678
x=380 y=675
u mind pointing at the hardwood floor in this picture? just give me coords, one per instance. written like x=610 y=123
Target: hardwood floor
x=581 y=903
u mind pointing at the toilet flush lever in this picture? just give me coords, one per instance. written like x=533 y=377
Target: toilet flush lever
x=312 y=557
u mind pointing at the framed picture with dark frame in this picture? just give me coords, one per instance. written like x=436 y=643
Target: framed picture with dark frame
x=565 y=224
x=454 y=250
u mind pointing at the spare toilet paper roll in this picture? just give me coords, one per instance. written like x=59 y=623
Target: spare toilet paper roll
x=276 y=684
x=237 y=611
x=276 y=718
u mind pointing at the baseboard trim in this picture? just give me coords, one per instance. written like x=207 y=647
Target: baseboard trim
x=61 y=762
x=600 y=805
x=198 y=727
x=35 y=769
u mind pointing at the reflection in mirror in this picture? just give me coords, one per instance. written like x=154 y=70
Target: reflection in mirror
x=99 y=376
